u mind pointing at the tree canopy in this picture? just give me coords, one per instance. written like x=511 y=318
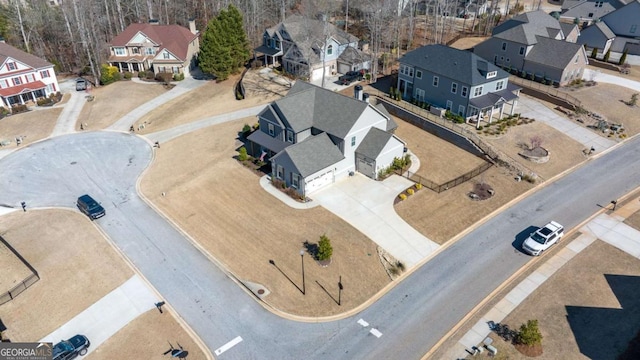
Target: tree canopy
x=225 y=47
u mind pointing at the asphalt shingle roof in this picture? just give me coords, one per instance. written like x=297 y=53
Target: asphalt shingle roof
x=174 y=38
x=459 y=65
x=312 y=155
x=525 y=27
x=8 y=51
x=562 y=52
x=373 y=143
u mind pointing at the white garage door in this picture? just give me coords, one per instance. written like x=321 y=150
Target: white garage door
x=319 y=181
x=366 y=168
x=344 y=68
x=317 y=74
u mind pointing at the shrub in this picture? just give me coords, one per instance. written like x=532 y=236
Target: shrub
x=142 y=74
x=242 y=154
x=165 y=77
x=325 y=250
x=529 y=333
x=256 y=126
x=402 y=196
x=45 y=101
x=410 y=192
x=623 y=58
x=128 y=75
x=15 y=109
x=607 y=55
x=400 y=265
x=418 y=186
x=109 y=74
x=4 y=111
x=178 y=77
x=150 y=75
x=594 y=53
x=246 y=129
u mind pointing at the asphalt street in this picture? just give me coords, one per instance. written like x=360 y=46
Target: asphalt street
x=403 y=324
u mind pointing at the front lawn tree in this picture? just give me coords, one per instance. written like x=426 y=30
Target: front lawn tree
x=325 y=250
x=225 y=47
x=529 y=334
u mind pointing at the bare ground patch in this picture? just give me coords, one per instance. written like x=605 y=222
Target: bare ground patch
x=76 y=265
x=113 y=101
x=221 y=205
x=148 y=337
x=31 y=126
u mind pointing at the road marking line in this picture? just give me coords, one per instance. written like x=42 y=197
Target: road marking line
x=363 y=323
x=228 y=345
x=375 y=332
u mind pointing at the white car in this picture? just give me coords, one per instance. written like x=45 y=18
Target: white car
x=543 y=238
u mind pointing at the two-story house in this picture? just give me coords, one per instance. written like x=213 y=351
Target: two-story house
x=154 y=47
x=456 y=80
x=618 y=31
x=536 y=44
x=24 y=77
x=311 y=48
x=585 y=12
x=314 y=137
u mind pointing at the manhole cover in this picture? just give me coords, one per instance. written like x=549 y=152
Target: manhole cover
x=260 y=291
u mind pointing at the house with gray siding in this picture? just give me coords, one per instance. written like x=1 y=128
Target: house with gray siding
x=618 y=31
x=313 y=137
x=536 y=45
x=298 y=44
x=585 y=12
x=456 y=80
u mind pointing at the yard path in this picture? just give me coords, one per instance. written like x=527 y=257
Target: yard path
x=611 y=79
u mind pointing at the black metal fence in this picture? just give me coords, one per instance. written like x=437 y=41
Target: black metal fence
x=18 y=289
x=547 y=89
x=449 y=184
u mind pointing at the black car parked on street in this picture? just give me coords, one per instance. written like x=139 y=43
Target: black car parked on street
x=90 y=207
x=72 y=348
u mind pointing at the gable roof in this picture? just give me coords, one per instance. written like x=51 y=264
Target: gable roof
x=174 y=38
x=459 y=65
x=373 y=143
x=582 y=9
x=312 y=154
x=307 y=106
x=9 y=52
x=621 y=20
x=563 y=52
x=525 y=27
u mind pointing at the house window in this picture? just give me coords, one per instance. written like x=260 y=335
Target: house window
x=165 y=55
x=44 y=74
x=12 y=66
x=599 y=4
x=576 y=60
x=633 y=29
x=461 y=110
x=4 y=84
x=435 y=81
x=449 y=105
x=119 y=51
x=500 y=85
x=492 y=74
x=279 y=172
x=175 y=70
x=454 y=88
x=521 y=50
x=295 y=180
x=272 y=129
x=590 y=15
x=477 y=91
x=419 y=94
x=289 y=136
x=463 y=92
x=30 y=78
x=135 y=50
x=162 y=69
x=330 y=50
x=410 y=72
x=418 y=74
x=149 y=51
x=277 y=44
x=17 y=81
x=504 y=46
x=353 y=141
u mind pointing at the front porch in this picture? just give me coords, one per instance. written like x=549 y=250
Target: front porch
x=130 y=66
x=20 y=95
x=271 y=57
x=491 y=106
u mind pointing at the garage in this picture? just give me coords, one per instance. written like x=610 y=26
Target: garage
x=319 y=182
x=366 y=168
x=343 y=68
x=317 y=74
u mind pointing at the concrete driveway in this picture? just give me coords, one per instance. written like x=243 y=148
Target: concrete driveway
x=368 y=206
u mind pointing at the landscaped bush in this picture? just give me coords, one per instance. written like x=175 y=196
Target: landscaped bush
x=178 y=77
x=128 y=75
x=165 y=77
x=45 y=102
x=142 y=74
x=150 y=75
x=325 y=250
x=278 y=183
x=529 y=334
x=402 y=196
x=410 y=192
x=4 y=112
x=418 y=186
x=242 y=154
x=15 y=109
x=109 y=74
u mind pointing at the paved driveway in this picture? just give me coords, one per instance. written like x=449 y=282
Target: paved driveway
x=368 y=206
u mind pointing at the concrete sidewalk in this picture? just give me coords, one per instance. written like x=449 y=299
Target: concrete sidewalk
x=605 y=227
x=531 y=108
x=108 y=315
x=599 y=76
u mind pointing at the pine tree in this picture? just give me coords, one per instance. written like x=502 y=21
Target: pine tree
x=623 y=58
x=594 y=53
x=239 y=42
x=325 y=250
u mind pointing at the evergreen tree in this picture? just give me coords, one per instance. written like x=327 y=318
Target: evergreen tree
x=623 y=58
x=325 y=250
x=224 y=47
x=594 y=53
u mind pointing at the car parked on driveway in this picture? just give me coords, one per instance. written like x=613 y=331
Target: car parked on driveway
x=87 y=205
x=72 y=348
x=543 y=238
x=81 y=84
x=350 y=77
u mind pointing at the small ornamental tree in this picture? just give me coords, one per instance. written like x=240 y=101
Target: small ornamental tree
x=536 y=141
x=606 y=56
x=242 y=154
x=623 y=58
x=594 y=53
x=530 y=333
x=325 y=250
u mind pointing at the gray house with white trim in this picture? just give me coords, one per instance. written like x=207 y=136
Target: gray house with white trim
x=587 y=11
x=457 y=80
x=314 y=137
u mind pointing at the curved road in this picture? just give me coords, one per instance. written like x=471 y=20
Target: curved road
x=408 y=320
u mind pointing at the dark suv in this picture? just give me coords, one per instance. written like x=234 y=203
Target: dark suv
x=90 y=207
x=72 y=348
x=350 y=77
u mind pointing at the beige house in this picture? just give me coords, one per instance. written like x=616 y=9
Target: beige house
x=157 y=48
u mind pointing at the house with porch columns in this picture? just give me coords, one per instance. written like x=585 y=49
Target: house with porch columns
x=154 y=47
x=24 y=77
x=458 y=81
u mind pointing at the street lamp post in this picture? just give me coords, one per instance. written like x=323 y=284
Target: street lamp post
x=339 y=290
x=302 y=260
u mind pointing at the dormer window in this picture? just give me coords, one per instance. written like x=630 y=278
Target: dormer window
x=491 y=74
x=330 y=50
x=289 y=136
x=599 y=4
x=165 y=55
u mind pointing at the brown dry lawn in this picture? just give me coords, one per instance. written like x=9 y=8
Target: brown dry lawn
x=244 y=227
x=148 y=337
x=468 y=42
x=13 y=270
x=115 y=100
x=76 y=265
x=32 y=125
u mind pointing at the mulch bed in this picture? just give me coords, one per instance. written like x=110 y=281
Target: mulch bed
x=530 y=351
x=481 y=191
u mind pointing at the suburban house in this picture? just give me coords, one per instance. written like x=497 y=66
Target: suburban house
x=585 y=12
x=536 y=45
x=298 y=44
x=24 y=77
x=456 y=80
x=618 y=31
x=154 y=47
x=460 y=8
x=314 y=137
